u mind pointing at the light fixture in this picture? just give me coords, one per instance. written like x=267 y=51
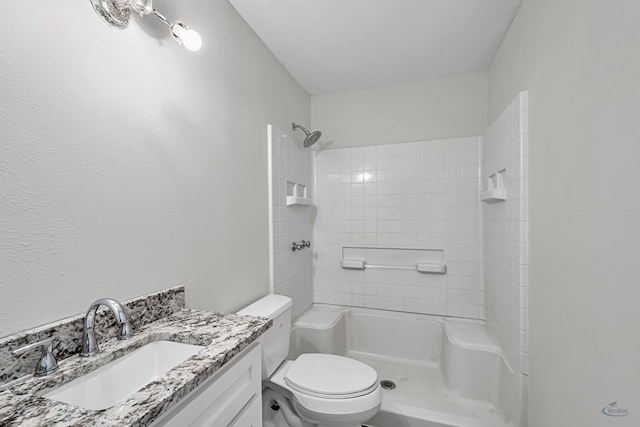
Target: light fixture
x=117 y=13
x=184 y=35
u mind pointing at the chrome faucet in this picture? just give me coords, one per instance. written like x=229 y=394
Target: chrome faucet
x=89 y=342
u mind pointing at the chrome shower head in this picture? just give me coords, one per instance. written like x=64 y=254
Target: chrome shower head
x=312 y=137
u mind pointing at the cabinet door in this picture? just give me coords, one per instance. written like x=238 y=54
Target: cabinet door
x=251 y=415
x=223 y=399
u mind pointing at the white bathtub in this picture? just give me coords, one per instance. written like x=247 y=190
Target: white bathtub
x=448 y=372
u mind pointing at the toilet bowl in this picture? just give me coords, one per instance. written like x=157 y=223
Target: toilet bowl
x=315 y=390
x=328 y=390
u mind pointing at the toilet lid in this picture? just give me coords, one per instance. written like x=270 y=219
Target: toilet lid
x=331 y=376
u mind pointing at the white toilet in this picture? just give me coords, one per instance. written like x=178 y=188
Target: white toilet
x=315 y=390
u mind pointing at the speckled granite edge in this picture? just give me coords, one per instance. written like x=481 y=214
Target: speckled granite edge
x=223 y=335
x=142 y=311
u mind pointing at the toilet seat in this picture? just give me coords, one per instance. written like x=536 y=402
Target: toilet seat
x=329 y=376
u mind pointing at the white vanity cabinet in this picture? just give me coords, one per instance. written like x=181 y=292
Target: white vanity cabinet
x=231 y=397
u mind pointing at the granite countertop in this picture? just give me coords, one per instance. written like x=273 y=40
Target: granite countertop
x=224 y=336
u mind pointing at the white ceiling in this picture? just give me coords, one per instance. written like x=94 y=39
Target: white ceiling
x=337 y=45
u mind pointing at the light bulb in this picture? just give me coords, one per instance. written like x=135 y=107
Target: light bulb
x=187 y=37
x=191 y=40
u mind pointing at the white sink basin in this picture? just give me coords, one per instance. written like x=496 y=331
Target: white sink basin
x=116 y=381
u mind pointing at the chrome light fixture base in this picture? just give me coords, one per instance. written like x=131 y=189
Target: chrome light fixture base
x=117 y=14
x=111 y=14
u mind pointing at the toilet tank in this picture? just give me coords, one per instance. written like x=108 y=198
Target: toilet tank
x=275 y=342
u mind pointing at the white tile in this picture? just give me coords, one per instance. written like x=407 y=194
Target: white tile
x=455 y=309
x=524 y=363
x=382 y=151
x=426 y=307
x=438 y=308
x=357 y=159
x=506 y=232
x=357 y=300
x=395 y=150
x=399 y=195
x=370 y=301
x=410 y=305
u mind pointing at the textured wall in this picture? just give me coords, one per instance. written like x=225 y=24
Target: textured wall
x=579 y=61
x=129 y=164
x=446 y=107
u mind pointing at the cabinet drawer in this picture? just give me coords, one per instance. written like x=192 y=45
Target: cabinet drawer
x=222 y=399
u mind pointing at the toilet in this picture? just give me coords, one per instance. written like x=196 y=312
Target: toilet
x=315 y=390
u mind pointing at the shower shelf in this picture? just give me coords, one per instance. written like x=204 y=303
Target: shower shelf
x=496 y=192
x=299 y=201
x=297 y=194
x=494 y=196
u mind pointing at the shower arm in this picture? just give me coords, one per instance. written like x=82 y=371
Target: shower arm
x=295 y=126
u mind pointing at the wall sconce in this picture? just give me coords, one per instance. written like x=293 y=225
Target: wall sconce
x=117 y=13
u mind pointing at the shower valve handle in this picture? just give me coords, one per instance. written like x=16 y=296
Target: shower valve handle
x=300 y=246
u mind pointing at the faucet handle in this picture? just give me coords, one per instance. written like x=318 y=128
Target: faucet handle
x=47 y=364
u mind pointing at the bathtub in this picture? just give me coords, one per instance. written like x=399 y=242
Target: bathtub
x=447 y=372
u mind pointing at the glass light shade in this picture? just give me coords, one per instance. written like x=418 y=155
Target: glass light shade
x=143 y=7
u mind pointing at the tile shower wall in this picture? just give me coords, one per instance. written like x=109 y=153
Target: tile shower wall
x=290 y=271
x=506 y=233
x=418 y=194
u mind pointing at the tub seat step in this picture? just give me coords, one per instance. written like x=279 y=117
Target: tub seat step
x=320 y=317
x=471 y=334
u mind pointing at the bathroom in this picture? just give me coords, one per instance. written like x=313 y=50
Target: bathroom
x=129 y=165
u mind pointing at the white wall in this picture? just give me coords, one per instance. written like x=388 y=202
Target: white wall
x=446 y=107
x=579 y=61
x=417 y=194
x=289 y=164
x=128 y=164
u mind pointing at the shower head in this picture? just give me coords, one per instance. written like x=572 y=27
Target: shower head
x=312 y=137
